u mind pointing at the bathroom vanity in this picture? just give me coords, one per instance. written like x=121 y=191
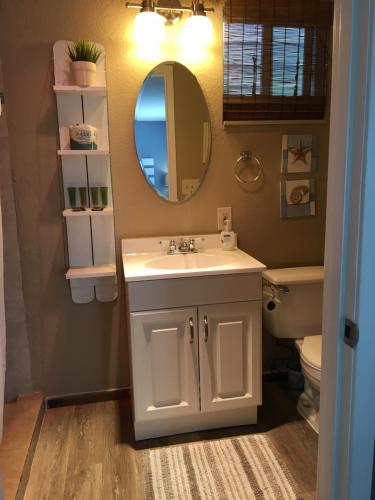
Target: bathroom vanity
x=195 y=333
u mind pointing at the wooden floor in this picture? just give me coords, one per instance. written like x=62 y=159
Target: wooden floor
x=88 y=452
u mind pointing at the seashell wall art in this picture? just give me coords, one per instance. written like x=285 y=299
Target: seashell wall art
x=297 y=197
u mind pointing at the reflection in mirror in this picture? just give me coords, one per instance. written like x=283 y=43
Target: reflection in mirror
x=172 y=131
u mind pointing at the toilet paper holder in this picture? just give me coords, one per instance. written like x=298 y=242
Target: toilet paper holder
x=274 y=294
x=275 y=288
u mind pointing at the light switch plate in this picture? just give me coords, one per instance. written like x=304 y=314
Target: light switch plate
x=223 y=213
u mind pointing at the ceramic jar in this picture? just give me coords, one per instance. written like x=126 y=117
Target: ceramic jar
x=83 y=136
x=84 y=73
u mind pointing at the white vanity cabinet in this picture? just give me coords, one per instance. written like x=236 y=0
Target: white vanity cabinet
x=195 y=336
x=198 y=363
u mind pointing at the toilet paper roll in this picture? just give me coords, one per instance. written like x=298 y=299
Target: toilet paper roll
x=270 y=305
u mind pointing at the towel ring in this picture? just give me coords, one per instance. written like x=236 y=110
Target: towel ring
x=249 y=164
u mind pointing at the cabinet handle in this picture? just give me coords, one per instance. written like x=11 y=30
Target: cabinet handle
x=205 y=328
x=191 y=323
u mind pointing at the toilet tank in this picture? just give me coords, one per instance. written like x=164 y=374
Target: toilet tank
x=292 y=301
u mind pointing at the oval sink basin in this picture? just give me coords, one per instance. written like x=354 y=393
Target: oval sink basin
x=203 y=260
x=167 y=262
x=189 y=261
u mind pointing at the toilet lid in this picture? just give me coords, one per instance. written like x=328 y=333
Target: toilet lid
x=312 y=350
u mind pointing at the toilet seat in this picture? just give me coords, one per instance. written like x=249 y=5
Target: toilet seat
x=311 y=351
x=311 y=359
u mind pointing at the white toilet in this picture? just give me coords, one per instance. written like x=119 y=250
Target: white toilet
x=292 y=309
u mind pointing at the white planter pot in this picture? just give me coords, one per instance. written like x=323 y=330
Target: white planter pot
x=84 y=73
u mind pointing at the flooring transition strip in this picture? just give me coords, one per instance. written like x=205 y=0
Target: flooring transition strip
x=23 y=419
x=30 y=455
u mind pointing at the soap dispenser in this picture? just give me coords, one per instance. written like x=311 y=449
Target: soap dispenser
x=228 y=237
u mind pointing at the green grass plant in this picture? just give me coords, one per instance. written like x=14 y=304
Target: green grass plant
x=82 y=50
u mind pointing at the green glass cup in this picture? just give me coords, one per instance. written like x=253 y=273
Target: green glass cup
x=104 y=195
x=72 y=194
x=95 y=198
x=83 y=196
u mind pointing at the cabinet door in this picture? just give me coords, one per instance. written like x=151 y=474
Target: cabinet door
x=165 y=363
x=230 y=355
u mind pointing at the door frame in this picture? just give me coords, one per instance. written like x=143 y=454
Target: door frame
x=166 y=71
x=348 y=136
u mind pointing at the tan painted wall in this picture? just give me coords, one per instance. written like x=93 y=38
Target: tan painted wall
x=18 y=374
x=83 y=347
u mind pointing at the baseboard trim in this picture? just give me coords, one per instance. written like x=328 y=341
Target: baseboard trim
x=82 y=398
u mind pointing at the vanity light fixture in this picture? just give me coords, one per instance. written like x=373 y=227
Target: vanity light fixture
x=171 y=12
x=148 y=24
x=198 y=29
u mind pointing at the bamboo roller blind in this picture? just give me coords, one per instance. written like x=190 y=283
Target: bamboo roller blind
x=276 y=59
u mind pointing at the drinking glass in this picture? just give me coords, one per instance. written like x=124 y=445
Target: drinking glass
x=83 y=196
x=104 y=195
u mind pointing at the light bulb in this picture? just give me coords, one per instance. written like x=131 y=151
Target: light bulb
x=198 y=31
x=148 y=28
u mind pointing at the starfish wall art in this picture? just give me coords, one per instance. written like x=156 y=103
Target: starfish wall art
x=299 y=154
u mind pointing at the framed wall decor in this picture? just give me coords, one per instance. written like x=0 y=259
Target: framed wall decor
x=297 y=198
x=299 y=154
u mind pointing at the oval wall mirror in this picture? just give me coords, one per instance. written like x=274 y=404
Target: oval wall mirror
x=172 y=131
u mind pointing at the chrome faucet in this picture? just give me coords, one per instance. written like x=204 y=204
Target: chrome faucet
x=185 y=246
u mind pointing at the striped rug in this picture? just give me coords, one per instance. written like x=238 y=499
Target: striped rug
x=239 y=468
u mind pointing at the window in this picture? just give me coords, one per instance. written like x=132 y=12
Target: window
x=276 y=59
x=287 y=61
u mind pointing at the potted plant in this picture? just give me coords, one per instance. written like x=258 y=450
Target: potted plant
x=84 y=56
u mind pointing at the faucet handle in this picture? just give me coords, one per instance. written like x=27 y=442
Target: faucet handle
x=197 y=242
x=183 y=246
x=169 y=244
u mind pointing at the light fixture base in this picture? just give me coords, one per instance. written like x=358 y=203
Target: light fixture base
x=171 y=10
x=148 y=6
x=197 y=8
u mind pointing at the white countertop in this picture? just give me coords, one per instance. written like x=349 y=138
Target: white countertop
x=147 y=259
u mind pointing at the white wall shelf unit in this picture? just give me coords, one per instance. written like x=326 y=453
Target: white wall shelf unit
x=90 y=233
x=75 y=90
x=90 y=272
x=68 y=212
x=78 y=152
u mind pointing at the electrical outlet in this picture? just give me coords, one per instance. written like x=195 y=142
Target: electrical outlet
x=189 y=186
x=223 y=214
